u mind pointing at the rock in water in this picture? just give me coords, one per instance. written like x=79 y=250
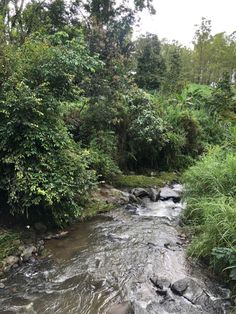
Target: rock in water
x=139 y=192
x=180 y=286
x=11 y=260
x=2 y=286
x=154 y=194
x=27 y=253
x=121 y=308
x=167 y=193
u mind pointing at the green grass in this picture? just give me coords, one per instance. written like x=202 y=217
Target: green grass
x=92 y=208
x=133 y=181
x=9 y=242
x=210 y=192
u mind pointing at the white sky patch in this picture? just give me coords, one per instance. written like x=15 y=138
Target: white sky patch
x=175 y=19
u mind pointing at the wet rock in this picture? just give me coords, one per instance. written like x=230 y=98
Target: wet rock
x=27 y=253
x=133 y=198
x=40 y=247
x=167 y=193
x=121 y=308
x=40 y=227
x=192 y=291
x=131 y=208
x=120 y=197
x=2 y=286
x=195 y=293
x=154 y=194
x=180 y=286
x=139 y=192
x=9 y=261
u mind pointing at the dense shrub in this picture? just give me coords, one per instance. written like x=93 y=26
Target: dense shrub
x=31 y=136
x=43 y=172
x=103 y=155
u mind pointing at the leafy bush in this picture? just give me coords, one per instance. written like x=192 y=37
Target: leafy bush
x=40 y=166
x=43 y=172
x=103 y=155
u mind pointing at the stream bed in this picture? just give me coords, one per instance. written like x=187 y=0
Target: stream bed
x=130 y=260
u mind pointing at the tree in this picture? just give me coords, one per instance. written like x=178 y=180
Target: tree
x=150 y=63
x=171 y=53
x=202 y=41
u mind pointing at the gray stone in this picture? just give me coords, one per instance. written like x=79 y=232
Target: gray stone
x=133 y=198
x=180 y=286
x=168 y=193
x=121 y=308
x=11 y=260
x=27 y=253
x=124 y=198
x=2 y=286
x=154 y=194
x=139 y=192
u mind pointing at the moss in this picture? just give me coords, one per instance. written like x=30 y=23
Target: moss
x=93 y=208
x=9 y=242
x=133 y=181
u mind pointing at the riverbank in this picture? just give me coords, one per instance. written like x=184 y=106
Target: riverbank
x=21 y=243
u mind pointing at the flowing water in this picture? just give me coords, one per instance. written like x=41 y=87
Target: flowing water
x=113 y=258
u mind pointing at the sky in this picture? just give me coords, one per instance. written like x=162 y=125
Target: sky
x=176 y=19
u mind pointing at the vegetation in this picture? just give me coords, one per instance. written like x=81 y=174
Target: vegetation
x=210 y=193
x=9 y=243
x=133 y=181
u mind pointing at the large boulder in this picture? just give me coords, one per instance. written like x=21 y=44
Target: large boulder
x=140 y=192
x=167 y=193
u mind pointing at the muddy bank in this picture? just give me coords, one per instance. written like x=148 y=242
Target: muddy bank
x=130 y=260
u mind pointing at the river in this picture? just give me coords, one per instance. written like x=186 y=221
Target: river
x=127 y=260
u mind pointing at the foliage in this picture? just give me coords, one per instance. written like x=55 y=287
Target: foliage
x=32 y=131
x=222 y=96
x=9 y=243
x=94 y=207
x=150 y=63
x=31 y=135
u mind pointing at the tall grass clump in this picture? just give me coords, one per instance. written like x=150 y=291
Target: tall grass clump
x=210 y=192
